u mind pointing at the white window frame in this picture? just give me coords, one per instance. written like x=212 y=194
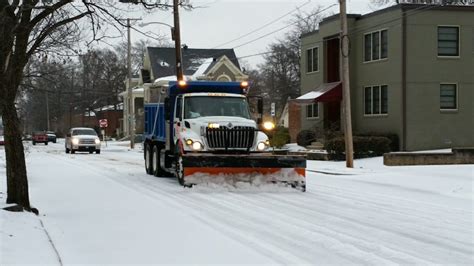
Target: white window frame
x=227 y=77
x=372 y=100
x=371 y=48
x=317 y=108
x=459 y=42
x=317 y=61
x=457 y=97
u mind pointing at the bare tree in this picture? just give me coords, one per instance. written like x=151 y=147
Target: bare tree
x=281 y=67
x=32 y=28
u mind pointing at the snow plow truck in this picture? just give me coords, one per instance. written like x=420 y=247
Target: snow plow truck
x=203 y=132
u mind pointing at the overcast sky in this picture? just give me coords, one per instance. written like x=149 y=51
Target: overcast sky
x=221 y=21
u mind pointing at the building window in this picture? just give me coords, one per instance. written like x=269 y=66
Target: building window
x=376 y=100
x=448 y=41
x=312 y=60
x=376 y=45
x=312 y=111
x=448 y=97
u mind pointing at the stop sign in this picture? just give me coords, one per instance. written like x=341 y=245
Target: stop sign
x=103 y=122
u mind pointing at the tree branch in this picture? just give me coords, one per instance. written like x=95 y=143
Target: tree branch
x=52 y=28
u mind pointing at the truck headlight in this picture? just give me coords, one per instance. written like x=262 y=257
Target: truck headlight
x=268 y=125
x=213 y=125
x=75 y=141
x=197 y=146
x=261 y=146
x=97 y=141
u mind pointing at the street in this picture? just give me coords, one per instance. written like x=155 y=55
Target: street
x=100 y=209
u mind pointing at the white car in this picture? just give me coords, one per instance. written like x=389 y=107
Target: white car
x=82 y=139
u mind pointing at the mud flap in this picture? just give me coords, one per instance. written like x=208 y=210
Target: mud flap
x=252 y=168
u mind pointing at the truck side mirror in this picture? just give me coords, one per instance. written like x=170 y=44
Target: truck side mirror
x=167 y=108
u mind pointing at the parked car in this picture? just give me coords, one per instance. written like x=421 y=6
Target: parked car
x=82 y=139
x=2 y=140
x=39 y=137
x=51 y=136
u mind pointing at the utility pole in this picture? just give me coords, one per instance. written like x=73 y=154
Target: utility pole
x=177 y=41
x=346 y=94
x=131 y=111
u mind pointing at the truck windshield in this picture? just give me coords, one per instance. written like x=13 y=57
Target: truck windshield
x=199 y=106
x=84 y=131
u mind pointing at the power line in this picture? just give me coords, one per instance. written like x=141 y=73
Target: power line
x=282 y=28
x=264 y=26
x=360 y=29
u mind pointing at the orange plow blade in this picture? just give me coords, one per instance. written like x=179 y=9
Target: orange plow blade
x=254 y=169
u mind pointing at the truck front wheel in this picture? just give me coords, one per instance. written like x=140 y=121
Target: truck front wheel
x=148 y=159
x=179 y=169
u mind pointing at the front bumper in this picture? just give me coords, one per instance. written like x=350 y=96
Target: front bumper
x=85 y=147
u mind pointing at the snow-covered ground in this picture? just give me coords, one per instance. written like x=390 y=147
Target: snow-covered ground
x=104 y=209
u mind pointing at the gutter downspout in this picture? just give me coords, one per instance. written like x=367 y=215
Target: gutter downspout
x=404 y=81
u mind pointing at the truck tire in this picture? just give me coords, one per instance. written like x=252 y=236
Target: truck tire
x=157 y=170
x=148 y=159
x=73 y=151
x=67 y=150
x=179 y=169
x=34 y=142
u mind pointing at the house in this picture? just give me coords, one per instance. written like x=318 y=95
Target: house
x=411 y=74
x=160 y=64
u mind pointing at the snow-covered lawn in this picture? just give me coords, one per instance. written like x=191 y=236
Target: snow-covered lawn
x=104 y=209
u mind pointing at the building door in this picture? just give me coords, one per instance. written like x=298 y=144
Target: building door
x=332 y=60
x=332 y=110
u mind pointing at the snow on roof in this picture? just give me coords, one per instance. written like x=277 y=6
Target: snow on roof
x=164 y=80
x=206 y=62
x=110 y=107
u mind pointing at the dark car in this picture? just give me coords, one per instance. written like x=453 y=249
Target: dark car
x=51 y=136
x=39 y=137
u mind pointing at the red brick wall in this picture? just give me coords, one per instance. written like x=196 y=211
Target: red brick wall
x=294 y=120
x=113 y=120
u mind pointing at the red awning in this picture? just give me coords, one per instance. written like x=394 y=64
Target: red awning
x=326 y=92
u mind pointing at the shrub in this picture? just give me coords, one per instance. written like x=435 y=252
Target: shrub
x=281 y=136
x=363 y=147
x=305 y=137
x=394 y=140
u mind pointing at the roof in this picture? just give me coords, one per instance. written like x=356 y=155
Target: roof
x=404 y=6
x=325 y=92
x=163 y=59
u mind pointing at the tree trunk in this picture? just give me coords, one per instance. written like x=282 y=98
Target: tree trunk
x=17 y=182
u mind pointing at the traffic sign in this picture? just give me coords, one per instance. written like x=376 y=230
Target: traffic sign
x=103 y=123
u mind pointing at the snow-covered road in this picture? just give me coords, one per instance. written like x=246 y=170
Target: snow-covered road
x=104 y=209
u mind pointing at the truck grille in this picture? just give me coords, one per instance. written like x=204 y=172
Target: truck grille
x=230 y=138
x=86 y=141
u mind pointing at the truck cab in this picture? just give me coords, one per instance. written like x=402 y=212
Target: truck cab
x=216 y=122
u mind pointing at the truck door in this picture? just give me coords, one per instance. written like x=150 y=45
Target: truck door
x=178 y=117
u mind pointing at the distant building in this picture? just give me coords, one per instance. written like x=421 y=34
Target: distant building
x=412 y=74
